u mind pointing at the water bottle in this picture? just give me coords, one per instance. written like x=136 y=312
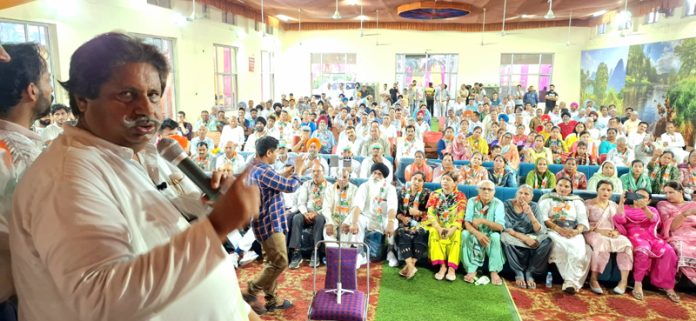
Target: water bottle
x=549 y=280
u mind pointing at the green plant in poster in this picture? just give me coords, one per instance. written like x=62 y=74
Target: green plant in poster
x=686 y=51
x=682 y=97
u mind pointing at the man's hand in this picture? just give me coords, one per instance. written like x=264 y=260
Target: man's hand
x=345 y=228
x=354 y=229
x=414 y=212
x=390 y=228
x=477 y=222
x=288 y=170
x=532 y=243
x=4 y=56
x=237 y=204
x=300 y=164
x=309 y=217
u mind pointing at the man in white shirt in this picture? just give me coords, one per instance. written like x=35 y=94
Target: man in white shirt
x=336 y=207
x=388 y=131
x=374 y=212
x=374 y=138
x=232 y=131
x=59 y=114
x=631 y=124
x=636 y=137
x=350 y=139
x=26 y=84
x=310 y=198
x=376 y=157
x=202 y=136
x=408 y=145
x=673 y=141
x=121 y=249
x=421 y=125
x=231 y=160
x=259 y=131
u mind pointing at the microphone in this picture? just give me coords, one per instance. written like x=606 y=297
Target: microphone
x=170 y=150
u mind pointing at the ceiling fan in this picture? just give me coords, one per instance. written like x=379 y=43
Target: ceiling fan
x=504 y=33
x=483 y=31
x=362 y=34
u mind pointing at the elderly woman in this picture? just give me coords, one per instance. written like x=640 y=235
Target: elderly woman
x=605 y=239
x=475 y=172
x=525 y=241
x=570 y=170
x=662 y=170
x=605 y=173
x=688 y=174
x=484 y=220
x=500 y=174
x=411 y=238
x=447 y=165
x=541 y=177
x=566 y=218
x=638 y=221
x=636 y=178
x=509 y=150
x=444 y=222
x=679 y=227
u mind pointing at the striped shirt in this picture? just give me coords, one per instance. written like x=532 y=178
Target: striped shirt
x=272 y=212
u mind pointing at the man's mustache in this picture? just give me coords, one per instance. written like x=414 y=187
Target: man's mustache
x=141 y=121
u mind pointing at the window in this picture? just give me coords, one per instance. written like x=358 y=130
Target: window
x=18 y=31
x=331 y=71
x=228 y=18
x=426 y=68
x=267 y=75
x=527 y=70
x=652 y=16
x=689 y=7
x=161 y=3
x=225 y=76
x=601 y=28
x=166 y=47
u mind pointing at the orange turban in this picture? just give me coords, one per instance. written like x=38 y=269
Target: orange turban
x=313 y=140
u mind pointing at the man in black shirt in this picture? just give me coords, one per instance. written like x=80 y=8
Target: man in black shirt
x=394 y=92
x=550 y=99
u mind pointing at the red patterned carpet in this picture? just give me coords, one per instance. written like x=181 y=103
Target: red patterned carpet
x=543 y=304
x=296 y=286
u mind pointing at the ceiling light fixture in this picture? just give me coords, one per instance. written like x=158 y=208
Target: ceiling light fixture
x=599 y=13
x=352 y=2
x=283 y=17
x=336 y=14
x=549 y=14
x=623 y=18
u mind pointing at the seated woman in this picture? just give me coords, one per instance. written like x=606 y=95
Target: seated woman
x=460 y=148
x=419 y=165
x=509 y=150
x=484 y=220
x=538 y=151
x=570 y=170
x=500 y=174
x=588 y=155
x=679 y=227
x=662 y=170
x=638 y=221
x=411 y=238
x=566 y=218
x=445 y=143
x=575 y=135
x=605 y=173
x=636 y=178
x=447 y=165
x=475 y=172
x=556 y=144
x=444 y=223
x=605 y=239
x=525 y=241
x=688 y=174
x=541 y=177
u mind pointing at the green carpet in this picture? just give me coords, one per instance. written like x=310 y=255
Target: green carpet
x=424 y=298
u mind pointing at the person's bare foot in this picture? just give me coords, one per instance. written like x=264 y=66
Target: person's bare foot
x=470 y=277
x=495 y=279
x=519 y=282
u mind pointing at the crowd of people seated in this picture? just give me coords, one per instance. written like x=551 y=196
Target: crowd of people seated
x=369 y=163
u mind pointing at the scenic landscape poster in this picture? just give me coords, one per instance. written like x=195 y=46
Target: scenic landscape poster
x=649 y=78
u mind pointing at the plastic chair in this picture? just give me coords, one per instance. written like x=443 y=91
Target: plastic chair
x=340 y=300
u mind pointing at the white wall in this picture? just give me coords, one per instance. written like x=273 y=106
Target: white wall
x=476 y=63
x=73 y=22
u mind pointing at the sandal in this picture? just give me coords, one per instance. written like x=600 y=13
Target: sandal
x=439 y=276
x=283 y=306
x=451 y=276
x=674 y=297
x=496 y=280
x=470 y=278
x=412 y=274
x=638 y=294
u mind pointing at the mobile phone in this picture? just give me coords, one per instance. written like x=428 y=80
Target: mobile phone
x=633 y=196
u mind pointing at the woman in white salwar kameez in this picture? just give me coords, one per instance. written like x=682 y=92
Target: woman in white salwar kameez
x=566 y=217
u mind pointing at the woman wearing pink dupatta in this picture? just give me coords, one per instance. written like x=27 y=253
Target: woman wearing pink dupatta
x=679 y=227
x=460 y=148
x=639 y=223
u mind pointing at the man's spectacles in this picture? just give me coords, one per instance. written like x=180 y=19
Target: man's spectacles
x=485 y=189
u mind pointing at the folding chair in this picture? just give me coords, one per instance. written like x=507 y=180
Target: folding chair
x=340 y=300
